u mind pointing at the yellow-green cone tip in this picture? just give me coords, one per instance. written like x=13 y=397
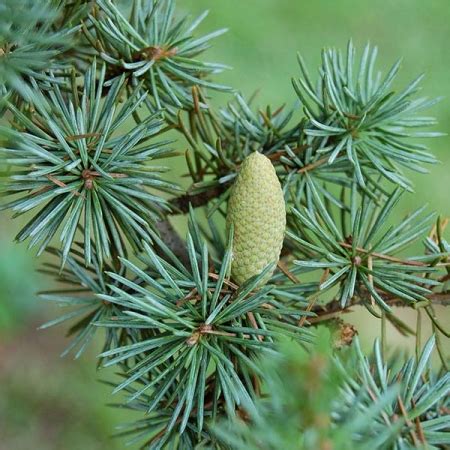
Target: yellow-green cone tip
x=257 y=211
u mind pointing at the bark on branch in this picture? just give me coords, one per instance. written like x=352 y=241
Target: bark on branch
x=180 y=205
x=334 y=307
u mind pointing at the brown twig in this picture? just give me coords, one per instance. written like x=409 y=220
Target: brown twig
x=419 y=427
x=283 y=267
x=76 y=137
x=173 y=240
x=251 y=318
x=312 y=165
x=334 y=307
x=61 y=184
x=229 y=283
x=56 y=181
x=314 y=297
x=385 y=257
x=155 y=53
x=408 y=422
x=181 y=204
x=192 y=295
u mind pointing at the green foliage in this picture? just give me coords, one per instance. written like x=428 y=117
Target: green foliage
x=315 y=400
x=417 y=416
x=185 y=340
x=198 y=336
x=353 y=110
x=82 y=286
x=360 y=127
x=28 y=43
x=220 y=141
x=360 y=253
x=152 y=47
x=71 y=154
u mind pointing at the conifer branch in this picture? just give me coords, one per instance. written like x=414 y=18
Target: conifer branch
x=196 y=346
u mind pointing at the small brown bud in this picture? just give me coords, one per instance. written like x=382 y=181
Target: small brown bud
x=357 y=260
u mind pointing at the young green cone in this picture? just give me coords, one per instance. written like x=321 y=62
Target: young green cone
x=257 y=211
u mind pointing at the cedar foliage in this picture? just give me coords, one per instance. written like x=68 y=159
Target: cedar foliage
x=92 y=94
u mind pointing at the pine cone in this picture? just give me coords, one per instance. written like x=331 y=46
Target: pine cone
x=257 y=211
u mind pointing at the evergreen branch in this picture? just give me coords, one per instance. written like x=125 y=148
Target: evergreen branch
x=221 y=140
x=183 y=203
x=153 y=48
x=334 y=308
x=361 y=258
x=348 y=401
x=29 y=45
x=186 y=341
x=76 y=167
x=81 y=287
x=355 y=114
x=194 y=319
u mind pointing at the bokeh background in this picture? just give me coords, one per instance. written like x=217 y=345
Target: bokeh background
x=49 y=403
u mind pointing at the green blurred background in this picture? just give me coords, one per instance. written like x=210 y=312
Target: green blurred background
x=49 y=403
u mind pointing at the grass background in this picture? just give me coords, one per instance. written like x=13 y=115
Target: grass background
x=47 y=403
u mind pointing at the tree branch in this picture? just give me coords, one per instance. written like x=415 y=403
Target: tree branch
x=181 y=204
x=331 y=309
x=171 y=238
